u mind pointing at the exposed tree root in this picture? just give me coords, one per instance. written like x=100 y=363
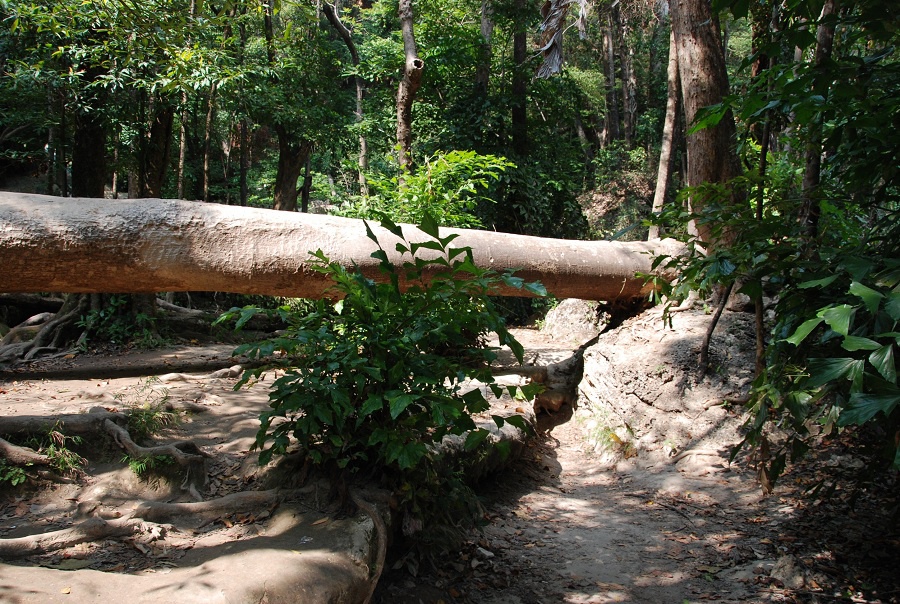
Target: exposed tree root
x=21 y=456
x=201 y=513
x=70 y=424
x=100 y=421
x=704 y=347
x=381 y=530
x=185 y=453
x=92 y=529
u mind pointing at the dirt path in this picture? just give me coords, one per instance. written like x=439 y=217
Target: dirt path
x=568 y=523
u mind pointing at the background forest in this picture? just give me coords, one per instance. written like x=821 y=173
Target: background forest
x=776 y=121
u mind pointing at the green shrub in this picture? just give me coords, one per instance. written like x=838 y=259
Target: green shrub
x=448 y=187
x=376 y=380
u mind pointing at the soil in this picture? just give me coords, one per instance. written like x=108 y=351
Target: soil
x=629 y=497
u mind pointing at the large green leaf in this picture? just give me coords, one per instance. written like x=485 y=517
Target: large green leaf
x=854 y=343
x=883 y=360
x=804 y=330
x=892 y=306
x=864 y=407
x=838 y=318
x=398 y=404
x=475 y=438
x=818 y=282
x=870 y=297
x=823 y=371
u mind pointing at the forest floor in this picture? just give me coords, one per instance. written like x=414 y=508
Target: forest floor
x=566 y=523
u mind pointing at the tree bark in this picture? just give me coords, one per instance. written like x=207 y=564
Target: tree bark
x=613 y=132
x=89 y=144
x=711 y=152
x=811 y=207
x=148 y=245
x=207 y=138
x=485 y=50
x=629 y=79
x=292 y=157
x=331 y=14
x=519 y=100
x=156 y=157
x=665 y=152
x=409 y=86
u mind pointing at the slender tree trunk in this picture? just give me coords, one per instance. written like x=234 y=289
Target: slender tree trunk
x=58 y=179
x=613 y=132
x=485 y=50
x=668 y=138
x=629 y=80
x=182 y=138
x=307 y=185
x=409 y=85
x=207 y=139
x=711 y=152
x=182 y=146
x=811 y=209
x=245 y=161
x=115 y=167
x=519 y=101
x=331 y=13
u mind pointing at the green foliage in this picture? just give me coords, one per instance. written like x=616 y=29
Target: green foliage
x=448 y=187
x=829 y=253
x=147 y=413
x=55 y=446
x=143 y=466
x=116 y=322
x=14 y=475
x=376 y=380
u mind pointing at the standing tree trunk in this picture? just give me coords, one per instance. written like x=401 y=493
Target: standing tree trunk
x=182 y=147
x=292 y=157
x=629 y=79
x=409 y=85
x=159 y=143
x=811 y=208
x=519 y=101
x=207 y=139
x=292 y=154
x=331 y=14
x=307 y=185
x=668 y=138
x=711 y=153
x=89 y=155
x=485 y=50
x=89 y=143
x=245 y=161
x=613 y=132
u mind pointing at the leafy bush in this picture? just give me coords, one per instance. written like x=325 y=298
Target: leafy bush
x=375 y=381
x=115 y=321
x=448 y=187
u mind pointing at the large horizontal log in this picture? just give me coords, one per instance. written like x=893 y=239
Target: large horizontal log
x=55 y=244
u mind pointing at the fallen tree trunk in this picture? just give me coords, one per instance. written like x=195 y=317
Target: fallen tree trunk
x=82 y=245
